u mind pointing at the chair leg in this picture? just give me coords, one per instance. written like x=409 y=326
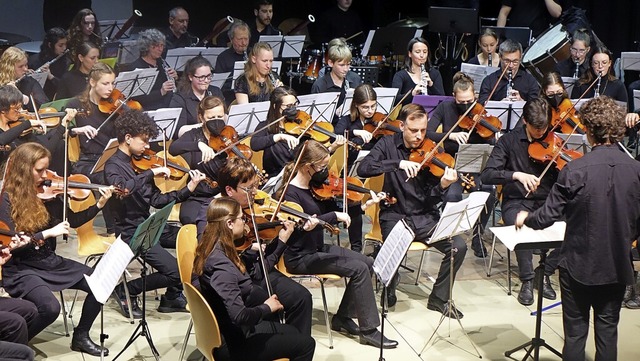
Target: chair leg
x=64 y=315
x=419 y=267
x=186 y=340
x=326 y=313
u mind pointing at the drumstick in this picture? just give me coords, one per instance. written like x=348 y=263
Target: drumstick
x=353 y=36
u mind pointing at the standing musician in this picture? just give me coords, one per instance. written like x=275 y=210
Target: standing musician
x=84 y=27
x=578 y=63
x=418 y=193
x=151 y=44
x=263 y=12
x=75 y=81
x=194 y=86
x=524 y=85
x=598 y=196
x=176 y=34
x=239 y=35
x=194 y=145
x=308 y=254
x=535 y=15
x=608 y=84
x=133 y=130
x=13 y=67
x=488 y=43
x=510 y=165
x=239 y=305
x=418 y=75
x=340 y=21
x=36 y=271
x=258 y=80
x=53 y=45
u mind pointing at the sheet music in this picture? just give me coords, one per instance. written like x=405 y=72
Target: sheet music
x=508 y=112
x=238 y=69
x=386 y=98
x=568 y=82
x=245 y=117
x=109 y=28
x=138 y=81
x=40 y=77
x=518 y=239
x=636 y=100
x=471 y=158
x=477 y=72
x=129 y=51
x=630 y=60
x=393 y=250
x=178 y=57
x=459 y=217
x=108 y=151
x=167 y=121
x=218 y=79
x=290 y=45
x=320 y=106
x=109 y=270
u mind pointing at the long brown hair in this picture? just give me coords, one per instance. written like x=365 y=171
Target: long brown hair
x=314 y=152
x=589 y=76
x=99 y=69
x=217 y=232
x=275 y=103
x=27 y=211
x=362 y=94
x=251 y=73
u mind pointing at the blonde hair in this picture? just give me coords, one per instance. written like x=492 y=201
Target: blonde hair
x=314 y=152
x=251 y=73
x=8 y=61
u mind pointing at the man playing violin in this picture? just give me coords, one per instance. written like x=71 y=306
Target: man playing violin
x=134 y=129
x=418 y=195
x=523 y=190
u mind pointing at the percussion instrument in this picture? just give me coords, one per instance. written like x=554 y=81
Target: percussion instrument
x=312 y=61
x=551 y=47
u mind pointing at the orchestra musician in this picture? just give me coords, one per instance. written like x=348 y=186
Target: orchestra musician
x=535 y=15
x=13 y=67
x=194 y=85
x=176 y=34
x=133 y=130
x=608 y=84
x=418 y=194
x=418 y=75
x=510 y=165
x=488 y=43
x=340 y=21
x=578 y=63
x=239 y=36
x=258 y=80
x=53 y=45
x=84 y=27
x=35 y=271
x=363 y=107
x=308 y=254
x=597 y=195
x=242 y=308
x=524 y=86
x=75 y=81
x=263 y=12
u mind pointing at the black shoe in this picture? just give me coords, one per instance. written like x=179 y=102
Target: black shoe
x=178 y=304
x=525 y=296
x=82 y=343
x=632 y=303
x=547 y=290
x=443 y=308
x=339 y=323
x=121 y=298
x=479 y=250
x=390 y=292
x=373 y=339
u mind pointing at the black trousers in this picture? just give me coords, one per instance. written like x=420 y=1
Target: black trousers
x=577 y=301
x=167 y=274
x=355 y=228
x=16 y=315
x=10 y=351
x=295 y=298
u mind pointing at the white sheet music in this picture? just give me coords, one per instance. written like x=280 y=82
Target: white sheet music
x=218 y=79
x=178 y=57
x=245 y=117
x=238 y=69
x=138 y=81
x=108 y=271
x=630 y=60
x=291 y=45
x=320 y=106
x=459 y=217
x=167 y=121
x=477 y=72
x=512 y=237
x=393 y=250
x=505 y=111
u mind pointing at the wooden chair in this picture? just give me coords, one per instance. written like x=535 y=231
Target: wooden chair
x=186 y=252
x=74 y=142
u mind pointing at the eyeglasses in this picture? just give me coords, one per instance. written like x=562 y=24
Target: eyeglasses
x=243 y=218
x=289 y=106
x=16 y=108
x=367 y=107
x=249 y=189
x=579 y=51
x=600 y=63
x=203 y=77
x=322 y=169
x=514 y=62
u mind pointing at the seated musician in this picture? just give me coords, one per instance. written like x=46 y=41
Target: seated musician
x=75 y=81
x=523 y=85
x=239 y=36
x=151 y=43
x=578 y=63
x=176 y=34
x=194 y=85
x=488 y=43
x=84 y=28
x=14 y=70
x=258 y=80
x=523 y=188
x=133 y=130
x=607 y=84
x=418 y=194
x=242 y=308
x=238 y=179
x=35 y=271
x=263 y=11
x=418 y=75
x=53 y=45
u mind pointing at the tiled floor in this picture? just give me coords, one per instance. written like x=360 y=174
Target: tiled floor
x=494 y=323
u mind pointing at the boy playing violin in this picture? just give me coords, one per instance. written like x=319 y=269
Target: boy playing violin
x=134 y=129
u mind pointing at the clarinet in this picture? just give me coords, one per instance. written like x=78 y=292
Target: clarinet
x=490 y=62
x=575 y=74
x=166 y=68
x=509 y=84
x=424 y=83
x=273 y=79
x=596 y=93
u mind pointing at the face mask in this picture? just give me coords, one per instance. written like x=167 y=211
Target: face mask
x=555 y=100
x=215 y=126
x=290 y=113
x=319 y=177
x=462 y=108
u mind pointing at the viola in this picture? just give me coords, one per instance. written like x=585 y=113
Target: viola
x=320 y=131
x=389 y=127
x=6 y=234
x=78 y=186
x=484 y=124
x=116 y=102
x=149 y=159
x=227 y=136
x=566 y=119
x=333 y=187
x=552 y=149
x=266 y=231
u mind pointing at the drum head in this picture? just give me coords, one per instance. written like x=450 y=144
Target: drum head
x=549 y=41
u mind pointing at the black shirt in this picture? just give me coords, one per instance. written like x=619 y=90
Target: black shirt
x=567 y=68
x=446 y=114
x=154 y=100
x=402 y=80
x=242 y=87
x=226 y=60
x=255 y=34
x=336 y=23
x=30 y=87
x=188 y=101
x=275 y=155
x=57 y=69
x=13 y=138
x=325 y=84
x=173 y=42
x=92 y=149
x=72 y=83
x=611 y=88
x=529 y=14
x=523 y=82
x=599 y=194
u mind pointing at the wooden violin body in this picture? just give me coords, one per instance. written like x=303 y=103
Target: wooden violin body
x=388 y=127
x=78 y=186
x=321 y=132
x=552 y=148
x=333 y=187
x=565 y=118
x=484 y=124
x=228 y=135
x=117 y=102
x=436 y=161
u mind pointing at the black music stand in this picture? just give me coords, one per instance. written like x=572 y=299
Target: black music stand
x=389 y=41
x=147 y=235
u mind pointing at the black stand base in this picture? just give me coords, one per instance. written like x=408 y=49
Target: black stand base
x=383 y=304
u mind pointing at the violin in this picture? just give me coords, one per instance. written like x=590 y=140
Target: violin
x=78 y=186
x=116 y=102
x=566 y=119
x=552 y=149
x=486 y=125
x=226 y=137
x=6 y=234
x=333 y=186
x=51 y=118
x=148 y=160
x=320 y=131
x=437 y=161
x=266 y=231
x=389 y=127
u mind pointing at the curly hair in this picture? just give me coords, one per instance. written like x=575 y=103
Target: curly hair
x=149 y=38
x=604 y=120
x=76 y=37
x=251 y=72
x=8 y=60
x=28 y=212
x=135 y=123
x=220 y=210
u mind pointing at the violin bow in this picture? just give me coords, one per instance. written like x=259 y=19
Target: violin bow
x=495 y=86
x=344 y=174
x=37 y=115
x=115 y=111
x=380 y=123
x=286 y=185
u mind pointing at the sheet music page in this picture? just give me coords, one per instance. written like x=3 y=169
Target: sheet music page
x=636 y=100
x=393 y=250
x=512 y=237
x=167 y=121
x=459 y=217
x=108 y=271
x=630 y=60
x=477 y=72
x=471 y=158
x=126 y=81
x=40 y=77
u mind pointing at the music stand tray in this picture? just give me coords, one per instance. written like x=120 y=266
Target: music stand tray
x=430 y=102
x=389 y=41
x=136 y=82
x=453 y=20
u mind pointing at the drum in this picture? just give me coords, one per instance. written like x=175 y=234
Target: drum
x=551 y=47
x=311 y=63
x=375 y=59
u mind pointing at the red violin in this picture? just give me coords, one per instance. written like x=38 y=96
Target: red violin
x=552 y=149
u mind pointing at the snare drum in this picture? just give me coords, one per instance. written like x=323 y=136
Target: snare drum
x=311 y=63
x=551 y=47
x=375 y=59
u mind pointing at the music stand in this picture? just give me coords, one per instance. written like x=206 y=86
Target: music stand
x=147 y=235
x=108 y=28
x=218 y=79
x=321 y=106
x=285 y=47
x=508 y=112
x=166 y=119
x=136 y=82
x=569 y=83
x=245 y=117
x=178 y=57
x=238 y=70
x=389 y=41
x=386 y=98
x=453 y=20
x=636 y=99
x=478 y=72
x=387 y=262
x=430 y=102
x=129 y=51
x=519 y=34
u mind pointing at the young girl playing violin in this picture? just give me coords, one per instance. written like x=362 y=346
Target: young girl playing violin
x=308 y=254
x=258 y=80
x=488 y=44
x=75 y=81
x=36 y=272
x=14 y=69
x=241 y=307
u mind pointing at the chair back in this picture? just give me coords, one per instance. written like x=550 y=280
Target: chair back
x=89 y=242
x=375 y=184
x=186 y=250
x=205 y=323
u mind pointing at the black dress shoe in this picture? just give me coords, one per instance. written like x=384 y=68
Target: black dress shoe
x=82 y=343
x=479 y=250
x=525 y=296
x=373 y=339
x=178 y=304
x=443 y=308
x=121 y=299
x=547 y=290
x=339 y=323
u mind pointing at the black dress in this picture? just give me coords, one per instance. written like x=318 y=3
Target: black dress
x=72 y=83
x=402 y=80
